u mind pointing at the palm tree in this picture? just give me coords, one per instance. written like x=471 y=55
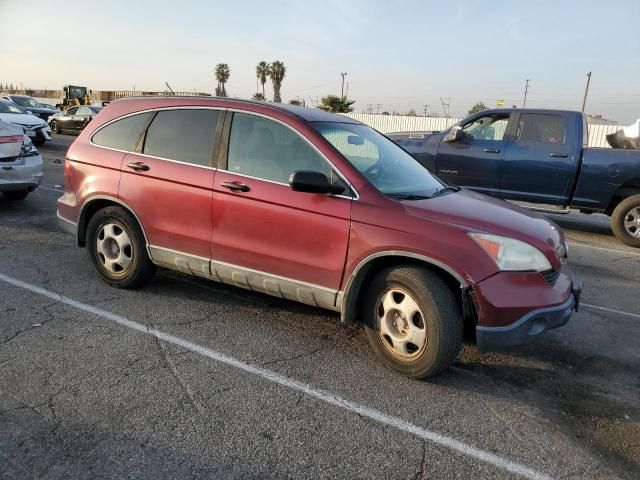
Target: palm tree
x=223 y=72
x=258 y=96
x=277 y=72
x=331 y=103
x=262 y=72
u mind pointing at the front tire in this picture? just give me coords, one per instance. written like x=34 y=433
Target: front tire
x=413 y=321
x=625 y=221
x=117 y=248
x=55 y=127
x=16 y=194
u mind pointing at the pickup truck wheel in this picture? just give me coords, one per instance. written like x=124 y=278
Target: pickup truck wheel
x=413 y=321
x=116 y=248
x=16 y=194
x=625 y=221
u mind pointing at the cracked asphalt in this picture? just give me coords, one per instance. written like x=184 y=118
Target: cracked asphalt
x=82 y=397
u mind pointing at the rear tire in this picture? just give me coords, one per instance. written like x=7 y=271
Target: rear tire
x=403 y=306
x=117 y=248
x=16 y=194
x=625 y=221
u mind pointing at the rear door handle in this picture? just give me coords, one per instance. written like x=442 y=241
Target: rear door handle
x=559 y=155
x=491 y=150
x=138 y=166
x=236 y=186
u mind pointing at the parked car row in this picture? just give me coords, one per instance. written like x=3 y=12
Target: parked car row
x=39 y=120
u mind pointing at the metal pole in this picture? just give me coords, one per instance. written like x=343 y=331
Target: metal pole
x=526 y=90
x=344 y=74
x=586 y=91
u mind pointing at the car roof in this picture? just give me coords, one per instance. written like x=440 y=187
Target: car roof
x=526 y=110
x=303 y=113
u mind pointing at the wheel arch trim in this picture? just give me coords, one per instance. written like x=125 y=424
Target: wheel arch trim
x=83 y=210
x=346 y=299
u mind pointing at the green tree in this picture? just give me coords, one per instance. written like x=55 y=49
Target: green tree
x=478 y=107
x=332 y=103
x=277 y=71
x=258 y=96
x=262 y=72
x=295 y=101
x=223 y=72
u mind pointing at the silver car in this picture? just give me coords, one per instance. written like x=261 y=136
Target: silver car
x=20 y=163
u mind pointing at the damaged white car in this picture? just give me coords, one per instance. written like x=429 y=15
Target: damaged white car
x=20 y=163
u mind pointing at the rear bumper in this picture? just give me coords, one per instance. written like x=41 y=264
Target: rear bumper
x=68 y=226
x=530 y=326
x=24 y=173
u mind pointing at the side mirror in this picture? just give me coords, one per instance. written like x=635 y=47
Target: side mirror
x=312 y=182
x=455 y=134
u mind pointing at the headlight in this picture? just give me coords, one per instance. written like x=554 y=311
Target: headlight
x=511 y=254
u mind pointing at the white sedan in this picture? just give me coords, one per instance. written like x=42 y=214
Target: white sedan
x=35 y=128
x=20 y=163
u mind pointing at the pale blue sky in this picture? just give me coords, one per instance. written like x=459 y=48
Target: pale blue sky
x=401 y=54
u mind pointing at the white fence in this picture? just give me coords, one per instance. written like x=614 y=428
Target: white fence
x=398 y=123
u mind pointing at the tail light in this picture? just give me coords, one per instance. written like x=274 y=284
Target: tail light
x=12 y=139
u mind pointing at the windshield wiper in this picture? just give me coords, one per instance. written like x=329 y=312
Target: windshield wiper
x=407 y=196
x=443 y=190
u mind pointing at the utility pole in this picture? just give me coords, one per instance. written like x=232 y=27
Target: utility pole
x=445 y=107
x=526 y=90
x=586 y=91
x=369 y=108
x=343 y=74
x=378 y=105
x=426 y=107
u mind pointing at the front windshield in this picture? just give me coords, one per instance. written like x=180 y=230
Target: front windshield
x=390 y=169
x=26 y=102
x=7 y=107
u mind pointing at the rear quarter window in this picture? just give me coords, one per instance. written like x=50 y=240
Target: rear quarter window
x=122 y=134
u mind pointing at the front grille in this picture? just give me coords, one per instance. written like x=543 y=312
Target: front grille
x=550 y=276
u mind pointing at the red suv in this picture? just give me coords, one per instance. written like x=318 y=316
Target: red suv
x=317 y=208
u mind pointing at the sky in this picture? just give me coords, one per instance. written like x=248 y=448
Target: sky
x=399 y=54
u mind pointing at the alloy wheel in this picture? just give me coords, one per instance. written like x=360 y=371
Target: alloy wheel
x=403 y=329
x=113 y=248
x=632 y=222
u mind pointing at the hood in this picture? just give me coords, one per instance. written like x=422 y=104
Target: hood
x=475 y=212
x=23 y=119
x=40 y=109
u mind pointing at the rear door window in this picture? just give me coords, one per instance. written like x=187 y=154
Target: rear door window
x=185 y=135
x=540 y=128
x=123 y=134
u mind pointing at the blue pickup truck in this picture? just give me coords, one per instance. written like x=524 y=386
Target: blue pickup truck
x=539 y=157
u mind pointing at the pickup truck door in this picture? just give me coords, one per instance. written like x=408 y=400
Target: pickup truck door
x=475 y=161
x=540 y=164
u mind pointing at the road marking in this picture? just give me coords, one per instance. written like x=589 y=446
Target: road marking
x=573 y=244
x=52 y=189
x=272 y=376
x=611 y=310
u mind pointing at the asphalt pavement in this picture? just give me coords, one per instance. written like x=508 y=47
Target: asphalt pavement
x=187 y=378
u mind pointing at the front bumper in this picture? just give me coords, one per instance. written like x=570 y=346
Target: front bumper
x=530 y=326
x=40 y=133
x=514 y=308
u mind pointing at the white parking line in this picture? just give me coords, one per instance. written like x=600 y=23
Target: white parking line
x=52 y=189
x=363 y=411
x=573 y=244
x=611 y=310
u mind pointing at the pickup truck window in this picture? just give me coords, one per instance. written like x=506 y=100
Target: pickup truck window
x=488 y=127
x=540 y=128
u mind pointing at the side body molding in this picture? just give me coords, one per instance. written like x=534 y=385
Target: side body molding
x=346 y=301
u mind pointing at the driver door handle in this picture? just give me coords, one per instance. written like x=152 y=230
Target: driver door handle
x=138 y=166
x=236 y=186
x=491 y=150
x=559 y=155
